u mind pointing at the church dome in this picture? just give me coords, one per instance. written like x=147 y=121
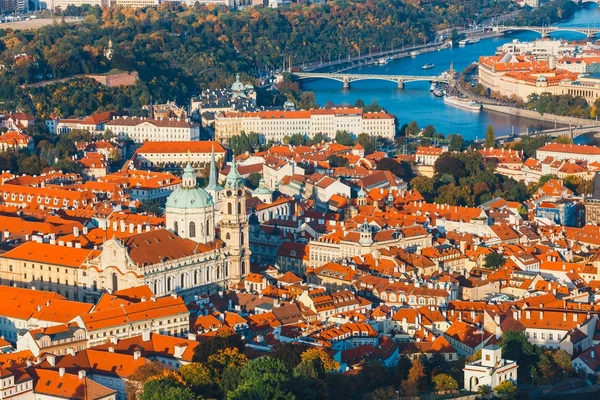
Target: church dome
x=262 y=188
x=237 y=85
x=189 y=198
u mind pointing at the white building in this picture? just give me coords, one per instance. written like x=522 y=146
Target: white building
x=154 y=130
x=275 y=125
x=177 y=154
x=490 y=370
x=560 y=151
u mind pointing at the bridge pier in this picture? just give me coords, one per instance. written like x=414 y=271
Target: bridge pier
x=346 y=83
x=400 y=84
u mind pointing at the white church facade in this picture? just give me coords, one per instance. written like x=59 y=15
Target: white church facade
x=201 y=251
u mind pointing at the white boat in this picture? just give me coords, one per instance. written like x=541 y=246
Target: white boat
x=428 y=66
x=382 y=61
x=463 y=103
x=473 y=41
x=433 y=86
x=414 y=53
x=463 y=42
x=438 y=93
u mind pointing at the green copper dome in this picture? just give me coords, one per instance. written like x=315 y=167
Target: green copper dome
x=262 y=188
x=189 y=198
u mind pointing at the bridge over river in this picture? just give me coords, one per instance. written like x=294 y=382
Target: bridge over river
x=569 y=131
x=347 y=78
x=546 y=30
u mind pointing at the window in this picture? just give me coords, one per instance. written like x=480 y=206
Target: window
x=192 y=232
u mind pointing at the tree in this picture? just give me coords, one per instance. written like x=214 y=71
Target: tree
x=572 y=182
x=319 y=137
x=253 y=180
x=199 y=376
x=152 y=207
x=166 y=388
x=416 y=374
x=336 y=161
x=412 y=129
x=366 y=141
x=506 y=389
x=224 y=340
x=447 y=163
x=329 y=364
x=563 y=360
x=494 y=260
x=289 y=353
x=490 y=137
x=456 y=142
x=429 y=131
x=297 y=139
x=515 y=346
x=484 y=391
x=136 y=380
x=263 y=378
x=423 y=185
x=384 y=393
x=445 y=383
x=563 y=140
x=400 y=169
x=344 y=138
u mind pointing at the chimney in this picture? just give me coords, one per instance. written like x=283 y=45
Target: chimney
x=61 y=371
x=192 y=336
x=111 y=349
x=178 y=350
x=81 y=373
x=146 y=336
x=131 y=227
x=51 y=358
x=85 y=230
x=75 y=231
x=137 y=354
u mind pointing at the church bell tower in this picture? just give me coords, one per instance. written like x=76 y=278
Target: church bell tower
x=234 y=224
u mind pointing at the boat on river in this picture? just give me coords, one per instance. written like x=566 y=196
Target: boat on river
x=433 y=86
x=463 y=42
x=414 y=53
x=382 y=61
x=428 y=66
x=438 y=93
x=463 y=103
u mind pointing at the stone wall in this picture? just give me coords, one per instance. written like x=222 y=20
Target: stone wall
x=532 y=114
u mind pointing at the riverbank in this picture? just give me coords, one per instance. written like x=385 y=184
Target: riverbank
x=532 y=114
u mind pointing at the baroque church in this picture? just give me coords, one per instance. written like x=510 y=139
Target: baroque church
x=203 y=249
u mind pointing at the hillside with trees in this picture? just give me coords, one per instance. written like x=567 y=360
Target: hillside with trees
x=178 y=51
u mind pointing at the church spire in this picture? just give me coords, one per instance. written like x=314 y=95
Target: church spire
x=212 y=177
x=234 y=179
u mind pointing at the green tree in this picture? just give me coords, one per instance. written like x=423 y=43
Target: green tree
x=336 y=161
x=213 y=346
x=516 y=347
x=166 y=388
x=384 y=393
x=429 y=131
x=264 y=378
x=506 y=390
x=494 y=260
x=445 y=383
x=412 y=129
x=456 y=142
x=366 y=141
x=423 y=185
x=319 y=137
x=297 y=139
x=490 y=137
x=253 y=180
x=344 y=138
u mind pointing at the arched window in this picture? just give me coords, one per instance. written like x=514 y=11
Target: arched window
x=229 y=209
x=182 y=281
x=196 y=273
x=169 y=284
x=239 y=208
x=228 y=236
x=243 y=267
x=241 y=237
x=115 y=282
x=226 y=270
x=176 y=228
x=192 y=232
x=155 y=286
x=207 y=227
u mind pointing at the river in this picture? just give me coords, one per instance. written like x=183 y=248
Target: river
x=416 y=103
